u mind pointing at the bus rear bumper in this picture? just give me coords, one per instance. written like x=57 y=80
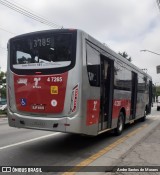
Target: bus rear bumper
x=63 y=124
x=40 y=123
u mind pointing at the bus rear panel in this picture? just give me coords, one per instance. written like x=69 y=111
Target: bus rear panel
x=44 y=81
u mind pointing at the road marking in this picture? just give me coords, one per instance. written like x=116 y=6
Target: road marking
x=95 y=156
x=27 y=141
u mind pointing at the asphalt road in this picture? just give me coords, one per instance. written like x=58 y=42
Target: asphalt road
x=23 y=147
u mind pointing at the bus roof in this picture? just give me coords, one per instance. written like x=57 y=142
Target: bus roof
x=91 y=39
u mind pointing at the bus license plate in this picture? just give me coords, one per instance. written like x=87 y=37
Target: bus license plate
x=38 y=107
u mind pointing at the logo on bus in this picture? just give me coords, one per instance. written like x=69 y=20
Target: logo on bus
x=117 y=103
x=22 y=81
x=54 y=89
x=23 y=102
x=95 y=105
x=54 y=103
x=36 y=81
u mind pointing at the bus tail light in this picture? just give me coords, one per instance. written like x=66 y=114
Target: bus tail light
x=74 y=99
x=9 y=96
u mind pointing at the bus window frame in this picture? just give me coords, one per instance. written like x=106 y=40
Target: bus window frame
x=46 y=71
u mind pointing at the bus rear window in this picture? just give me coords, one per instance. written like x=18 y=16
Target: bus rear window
x=42 y=52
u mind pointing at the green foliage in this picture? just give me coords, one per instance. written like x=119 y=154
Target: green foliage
x=3 y=84
x=3 y=112
x=125 y=55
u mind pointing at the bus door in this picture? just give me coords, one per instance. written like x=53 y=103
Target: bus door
x=134 y=95
x=106 y=92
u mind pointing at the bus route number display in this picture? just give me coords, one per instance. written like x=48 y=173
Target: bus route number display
x=41 y=42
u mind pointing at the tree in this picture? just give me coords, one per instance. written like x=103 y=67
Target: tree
x=125 y=55
x=157 y=90
x=158 y=3
x=3 y=84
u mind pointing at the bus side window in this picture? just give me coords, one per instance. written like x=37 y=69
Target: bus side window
x=94 y=74
x=93 y=66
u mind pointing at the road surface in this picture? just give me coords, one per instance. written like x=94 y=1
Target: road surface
x=24 y=147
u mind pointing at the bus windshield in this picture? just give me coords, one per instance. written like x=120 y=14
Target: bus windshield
x=42 y=52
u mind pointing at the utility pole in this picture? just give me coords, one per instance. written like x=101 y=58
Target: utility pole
x=145 y=50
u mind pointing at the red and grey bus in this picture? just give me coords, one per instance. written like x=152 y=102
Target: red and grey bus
x=67 y=81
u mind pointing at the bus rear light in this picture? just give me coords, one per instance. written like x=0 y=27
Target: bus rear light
x=13 y=119
x=9 y=96
x=66 y=124
x=74 y=99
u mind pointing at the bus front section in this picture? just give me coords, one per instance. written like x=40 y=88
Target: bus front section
x=43 y=81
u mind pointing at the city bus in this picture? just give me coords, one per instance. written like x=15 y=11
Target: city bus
x=66 y=81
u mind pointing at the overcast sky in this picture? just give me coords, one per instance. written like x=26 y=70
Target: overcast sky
x=123 y=25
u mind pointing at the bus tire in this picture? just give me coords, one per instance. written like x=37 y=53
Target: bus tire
x=143 y=119
x=120 y=124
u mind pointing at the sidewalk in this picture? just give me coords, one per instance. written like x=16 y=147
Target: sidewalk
x=141 y=149
x=145 y=153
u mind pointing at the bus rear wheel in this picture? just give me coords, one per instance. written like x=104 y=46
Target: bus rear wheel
x=120 y=124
